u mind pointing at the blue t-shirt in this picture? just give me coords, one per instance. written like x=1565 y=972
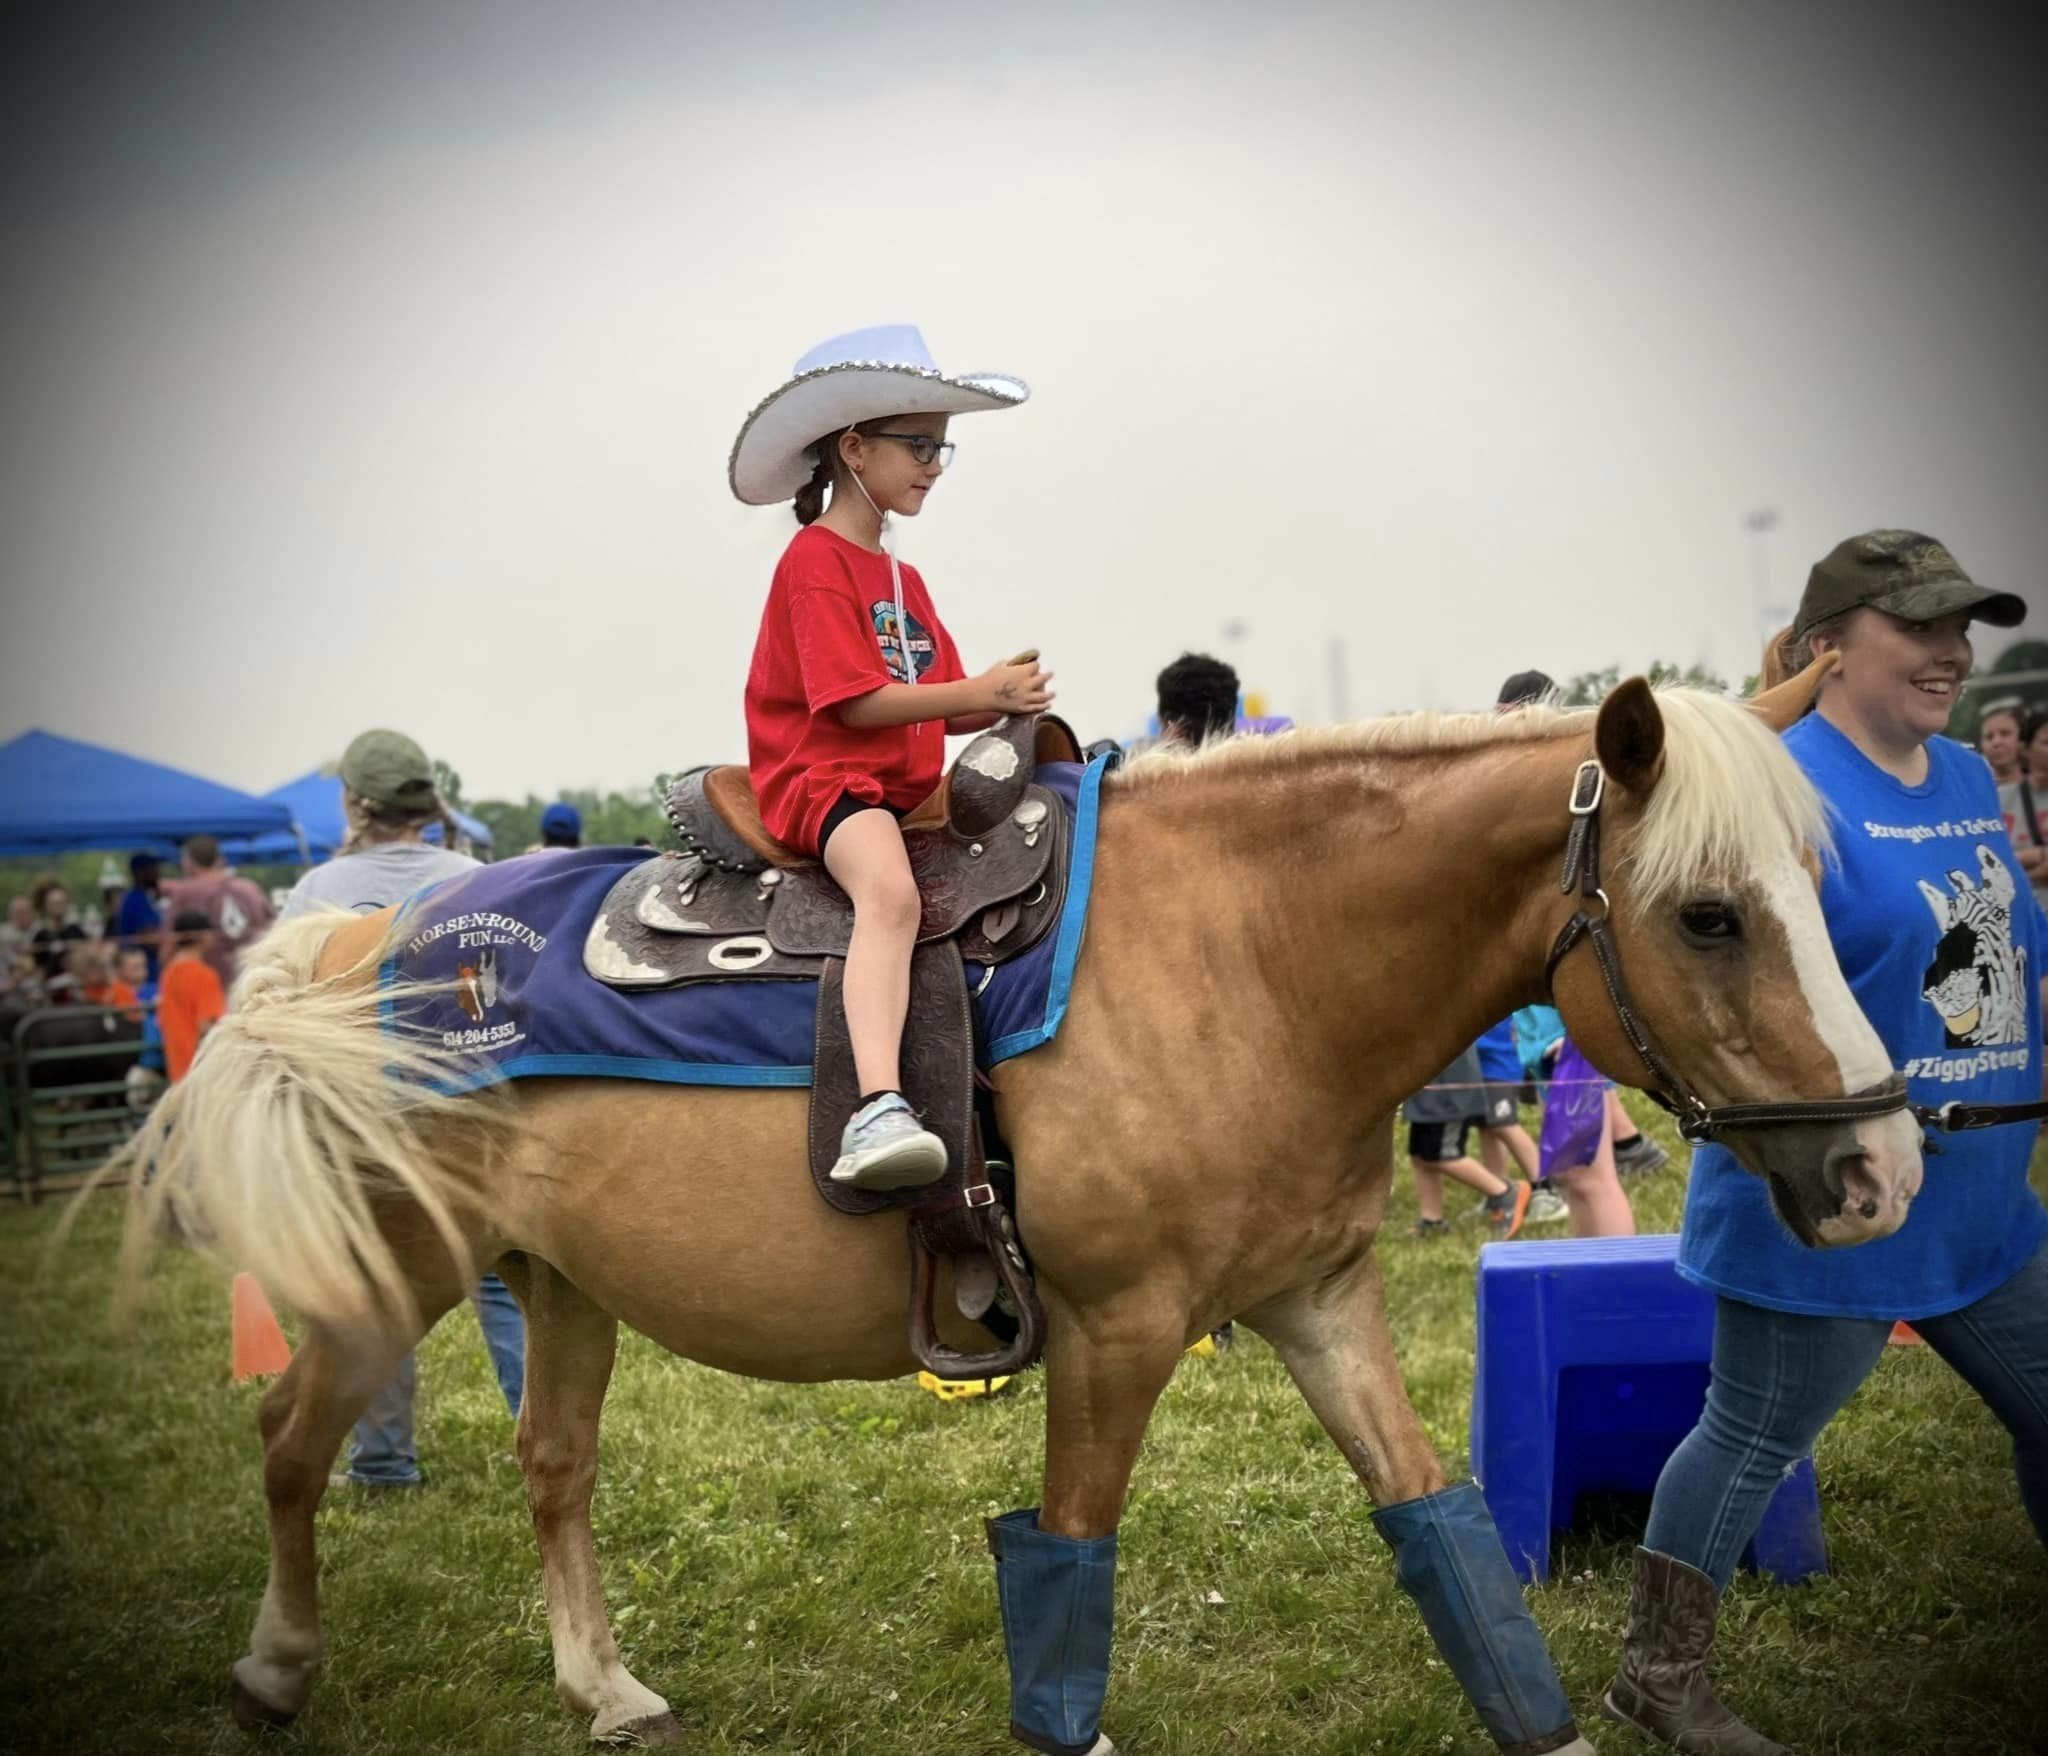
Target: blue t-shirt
x=1938 y=933
x=1536 y=1028
x=152 y=1055
x=137 y=922
x=1498 y=1061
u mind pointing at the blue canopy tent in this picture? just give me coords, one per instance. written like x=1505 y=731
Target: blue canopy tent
x=61 y=795
x=314 y=801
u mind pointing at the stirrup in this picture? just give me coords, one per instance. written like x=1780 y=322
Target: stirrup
x=982 y=1211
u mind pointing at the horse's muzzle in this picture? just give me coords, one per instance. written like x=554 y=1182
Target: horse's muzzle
x=1839 y=1184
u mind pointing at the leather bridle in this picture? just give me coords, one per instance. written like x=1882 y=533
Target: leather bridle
x=1697 y=1119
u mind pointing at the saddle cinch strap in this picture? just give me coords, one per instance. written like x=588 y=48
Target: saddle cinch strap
x=989 y=853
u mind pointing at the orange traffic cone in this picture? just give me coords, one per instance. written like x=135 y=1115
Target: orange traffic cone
x=1905 y=1335
x=259 y=1345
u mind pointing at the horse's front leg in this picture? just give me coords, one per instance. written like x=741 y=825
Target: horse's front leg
x=1056 y=1563
x=570 y=1345
x=1333 y=1336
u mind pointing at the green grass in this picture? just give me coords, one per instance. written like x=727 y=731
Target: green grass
x=802 y=1570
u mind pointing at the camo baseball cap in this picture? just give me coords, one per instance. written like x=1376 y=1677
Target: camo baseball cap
x=388 y=768
x=1903 y=574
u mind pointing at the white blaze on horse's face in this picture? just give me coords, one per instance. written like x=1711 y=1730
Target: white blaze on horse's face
x=1880 y=1172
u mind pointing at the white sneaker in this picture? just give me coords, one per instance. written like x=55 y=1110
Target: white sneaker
x=885 y=1146
x=1546 y=1207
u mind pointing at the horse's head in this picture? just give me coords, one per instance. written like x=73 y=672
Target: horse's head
x=1714 y=839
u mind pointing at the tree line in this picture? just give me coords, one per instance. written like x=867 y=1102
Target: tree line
x=610 y=819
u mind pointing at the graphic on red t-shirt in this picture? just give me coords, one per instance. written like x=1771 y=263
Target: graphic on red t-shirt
x=829 y=635
x=922 y=647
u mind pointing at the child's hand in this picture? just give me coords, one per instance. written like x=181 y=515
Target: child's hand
x=1016 y=686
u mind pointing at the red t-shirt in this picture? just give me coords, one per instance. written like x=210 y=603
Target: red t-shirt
x=828 y=635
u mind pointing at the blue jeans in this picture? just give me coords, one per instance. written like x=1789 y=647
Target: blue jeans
x=1778 y=1379
x=382 y=1448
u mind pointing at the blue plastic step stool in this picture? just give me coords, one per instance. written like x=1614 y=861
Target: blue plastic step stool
x=1591 y=1367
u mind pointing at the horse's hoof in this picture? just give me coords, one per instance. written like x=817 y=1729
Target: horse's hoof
x=660 y=1731
x=254 y=1714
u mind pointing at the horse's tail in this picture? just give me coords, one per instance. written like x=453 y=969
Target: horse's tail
x=300 y=1111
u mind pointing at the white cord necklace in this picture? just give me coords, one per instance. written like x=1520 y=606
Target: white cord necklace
x=887 y=533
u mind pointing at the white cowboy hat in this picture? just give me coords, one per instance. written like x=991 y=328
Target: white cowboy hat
x=851 y=378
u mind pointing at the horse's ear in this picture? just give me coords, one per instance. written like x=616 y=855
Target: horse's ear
x=1782 y=707
x=1628 y=737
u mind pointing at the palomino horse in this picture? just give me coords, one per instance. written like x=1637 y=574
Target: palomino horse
x=1285 y=937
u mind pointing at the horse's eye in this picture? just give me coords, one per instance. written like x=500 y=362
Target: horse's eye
x=1713 y=922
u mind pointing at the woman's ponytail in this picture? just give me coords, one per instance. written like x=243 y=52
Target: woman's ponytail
x=1781 y=659
x=810 y=498
x=1787 y=654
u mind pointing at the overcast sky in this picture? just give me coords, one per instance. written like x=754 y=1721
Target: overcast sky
x=378 y=363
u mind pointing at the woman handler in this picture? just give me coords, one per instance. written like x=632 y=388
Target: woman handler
x=1941 y=941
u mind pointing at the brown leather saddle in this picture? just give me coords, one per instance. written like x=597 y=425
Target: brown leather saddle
x=989 y=852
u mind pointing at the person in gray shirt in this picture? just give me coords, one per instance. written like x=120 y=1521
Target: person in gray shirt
x=388 y=793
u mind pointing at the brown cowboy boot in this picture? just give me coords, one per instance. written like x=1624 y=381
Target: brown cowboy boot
x=1662 y=1686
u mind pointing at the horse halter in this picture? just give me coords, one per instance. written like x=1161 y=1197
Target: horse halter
x=1697 y=1120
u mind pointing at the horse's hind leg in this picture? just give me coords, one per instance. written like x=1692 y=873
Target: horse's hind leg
x=1334 y=1338
x=304 y=1417
x=570 y=1344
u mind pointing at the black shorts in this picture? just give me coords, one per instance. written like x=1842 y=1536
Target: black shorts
x=845 y=806
x=1438 y=1143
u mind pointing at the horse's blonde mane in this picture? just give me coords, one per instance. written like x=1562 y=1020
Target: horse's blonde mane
x=1731 y=798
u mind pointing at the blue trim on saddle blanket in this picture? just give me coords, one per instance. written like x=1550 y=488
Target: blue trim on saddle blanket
x=501 y=950
x=1006 y=1037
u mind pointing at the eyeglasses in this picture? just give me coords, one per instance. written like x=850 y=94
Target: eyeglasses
x=923 y=447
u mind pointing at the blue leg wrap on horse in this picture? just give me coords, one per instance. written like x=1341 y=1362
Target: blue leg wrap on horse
x=1448 y=1558
x=1058 y=1596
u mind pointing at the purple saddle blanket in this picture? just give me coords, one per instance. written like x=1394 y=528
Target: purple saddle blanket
x=501 y=950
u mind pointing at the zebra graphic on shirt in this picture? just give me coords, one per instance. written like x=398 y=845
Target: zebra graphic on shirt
x=1978 y=979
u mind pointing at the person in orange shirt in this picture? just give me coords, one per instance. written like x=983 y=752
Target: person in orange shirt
x=190 y=997
x=93 y=980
